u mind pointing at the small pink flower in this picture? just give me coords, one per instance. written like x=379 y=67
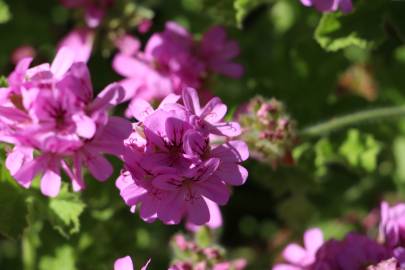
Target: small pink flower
x=301 y=257
x=217 y=51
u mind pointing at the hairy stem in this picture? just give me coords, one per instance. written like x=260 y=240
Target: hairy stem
x=353 y=119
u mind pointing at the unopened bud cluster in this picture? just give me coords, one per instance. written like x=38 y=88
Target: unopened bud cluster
x=268 y=130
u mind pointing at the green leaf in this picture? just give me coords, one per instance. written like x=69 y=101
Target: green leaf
x=64 y=259
x=360 y=150
x=3 y=81
x=65 y=211
x=5 y=14
x=330 y=35
x=244 y=7
x=13 y=210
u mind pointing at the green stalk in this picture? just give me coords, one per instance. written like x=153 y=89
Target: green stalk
x=353 y=119
x=28 y=250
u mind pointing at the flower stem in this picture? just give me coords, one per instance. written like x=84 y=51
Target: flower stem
x=353 y=119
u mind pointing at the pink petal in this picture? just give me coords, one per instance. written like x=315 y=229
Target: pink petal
x=85 y=126
x=191 y=100
x=232 y=174
x=294 y=253
x=214 y=114
x=169 y=182
x=140 y=109
x=197 y=211
x=28 y=171
x=285 y=267
x=63 y=61
x=175 y=129
x=195 y=143
x=232 y=151
x=207 y=169
x=51 y=182
x=148 y=210
x=313 y=240
x=171 y=209
x=128 y=45
x=215 y=215
x=17 y=158
x=99 y=167
x=307 y=3
x=127 y=66
x=113 y=94
x=146 y=265
x=214 y=190
x=124 y=263
x=79 y=40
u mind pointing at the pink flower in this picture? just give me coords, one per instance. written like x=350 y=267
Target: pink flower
x=329 y=5
x=208 y=119
x=173 y=60
x=392 y=225
x=172 y=169
x=94 y=9
x=355 y=252
x=302 y=257
x=125 y=263
x=80 y=41
x=52 y=119
x=217 y=51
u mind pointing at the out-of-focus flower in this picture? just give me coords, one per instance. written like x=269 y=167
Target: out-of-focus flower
x=358 y=80
x=50 y=116
x=392 y=225
x=22 y=52
x=144 y=26
x=80 y=41
x=268 y=130
x=329 y=5
x=94 y=9
x=390 y=264
x=191 y=255
x=355 y=252
x=218 y=52
x=302 y=257
x=125 y=263
x=172 y=169
x=173 y=60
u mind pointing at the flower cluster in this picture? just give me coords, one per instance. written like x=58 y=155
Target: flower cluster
x=355 y=251
x=49 y=114
x=173 y=60
x=180 y=160
x=192 y=256
x=329 y=5
x=268 y=130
